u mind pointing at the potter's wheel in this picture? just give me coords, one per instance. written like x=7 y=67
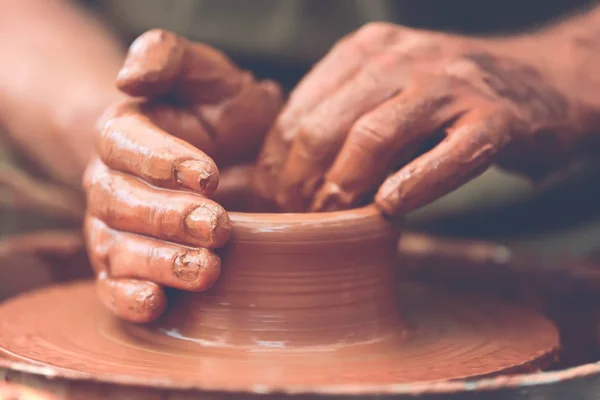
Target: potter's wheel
x=449 y=336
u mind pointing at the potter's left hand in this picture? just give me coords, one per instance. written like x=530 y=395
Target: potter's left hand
x=383 y=93
x=150 y=220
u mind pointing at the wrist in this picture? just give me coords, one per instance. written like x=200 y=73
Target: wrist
x=566 y=68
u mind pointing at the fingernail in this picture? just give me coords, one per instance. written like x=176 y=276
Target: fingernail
x=198 y=175
x=210 y=225
x=200 y=269
x=186 y=267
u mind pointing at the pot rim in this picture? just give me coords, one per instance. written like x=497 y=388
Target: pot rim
x=349 y=225
x=353 y=213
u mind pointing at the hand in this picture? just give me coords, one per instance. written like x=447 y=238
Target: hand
x=149 y=221
x=384 y=93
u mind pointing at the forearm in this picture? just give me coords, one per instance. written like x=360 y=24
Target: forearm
x=58 y=78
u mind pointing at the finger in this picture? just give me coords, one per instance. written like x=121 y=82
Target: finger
x=341 y=63
x=132 y=143
x=374 y=143
x=127 y=255
x=128 y=204
x=467 y=151
x=322 y=133
x=152 y=64
x=131 y=299
x=159 y=61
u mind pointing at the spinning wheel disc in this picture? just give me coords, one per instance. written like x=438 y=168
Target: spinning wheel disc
x=450 y=336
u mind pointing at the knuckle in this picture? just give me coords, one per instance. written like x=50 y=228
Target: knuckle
x=369 y=34
x=369 y=134
x=159 y=219
x=113 y=112
x=375 y=31
x=387 y=61
x=463 y=69
x=418 y=45
x=310 y=137
x=314 y=142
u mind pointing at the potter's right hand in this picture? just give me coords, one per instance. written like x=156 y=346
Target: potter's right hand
x=150 y=222
x=364 y=119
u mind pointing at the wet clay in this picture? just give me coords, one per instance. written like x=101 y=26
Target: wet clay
x=303 y=301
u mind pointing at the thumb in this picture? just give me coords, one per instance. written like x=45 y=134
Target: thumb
x=161 y=63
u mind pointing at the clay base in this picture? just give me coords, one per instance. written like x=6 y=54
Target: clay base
x=450 y=336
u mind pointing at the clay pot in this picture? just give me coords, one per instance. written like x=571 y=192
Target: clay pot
x=295 y=281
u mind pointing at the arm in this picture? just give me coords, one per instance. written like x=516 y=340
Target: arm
x=56 y=82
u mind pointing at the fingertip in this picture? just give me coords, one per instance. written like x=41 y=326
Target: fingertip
x=151 y=301
x=388 y=198
x=153 y=62
x=201 y=176
x=130 y=299
x=209 y=224
x=331 y=197
x=210 y=268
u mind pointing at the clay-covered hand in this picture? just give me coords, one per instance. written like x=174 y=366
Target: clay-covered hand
x=360 y=121
x=150 y=222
